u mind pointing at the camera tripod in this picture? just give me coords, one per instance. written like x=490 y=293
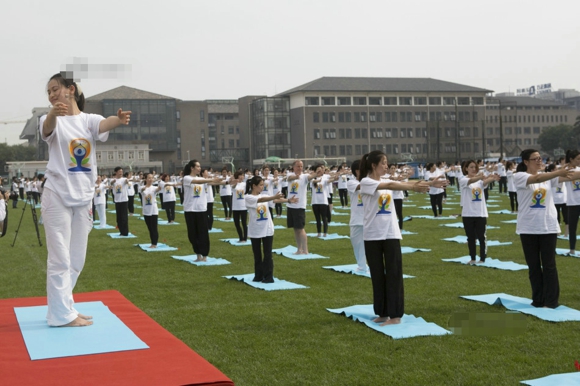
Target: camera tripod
x=34 y=219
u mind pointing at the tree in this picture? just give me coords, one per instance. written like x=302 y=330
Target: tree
x=560 y=136
x=9 y=153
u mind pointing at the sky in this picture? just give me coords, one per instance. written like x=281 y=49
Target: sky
x=226 y=49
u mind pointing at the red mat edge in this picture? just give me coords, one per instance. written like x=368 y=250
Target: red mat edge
x=168 y=361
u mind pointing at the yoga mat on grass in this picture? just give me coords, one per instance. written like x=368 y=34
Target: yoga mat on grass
x=165 y=222
x=406 y=232
x=410 y=326
x=160 y=247
x=463 y=240
x=490 y=263
x=235 y=242
x=331 y=224
x=289 y=250
x=96 y=222
x=223 y=219
x=210 y=260
x=107 y=334
x=279 y=227
x=460 y=225
x=103 y=226
x=159 y=220
x=168 y=361
x=352 y=269
x=450 y=217
x=567 y=379
x=412 y=250
x=118 y=236
x=407 y=218
x=510 y=222
x=339 y=214
x=523 y=305
x=329 y=236
x=215 y=230
x=277 y=285
x=503 y=211
x=566 y=252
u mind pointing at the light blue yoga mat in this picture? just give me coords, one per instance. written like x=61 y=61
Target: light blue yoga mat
x=329 y=236
x=503 y=211
x=277 y=285
x=339 y=214
x=289 y=250
x=567 y=379
x=410 y=325
x=406 y=232
x=107 y=334
x=490 y=263
x=223 y=219
x=210 y=260
x=160 y=247
x=510 y=221
x=460 y=225
x=96 y=222
x=412 y=250
x=235 y=242
x=158 y=219
x=562 y=237
x=352 y=269
x=566 y=252
x=453 y=217
x=332 y=224
x=279 y=227
x=118 y=236
x=103 y=227
x=493 y=206
x=165 y=222
x=180 y=211
x=281 y=217
x=463 y=240
x=407 y=218
x=523 y=305
x=215 y=230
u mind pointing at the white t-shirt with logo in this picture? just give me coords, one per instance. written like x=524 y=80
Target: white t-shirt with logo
x=99 y=197
x=511 y=186
x=573 y=191
x=380 y=218
x=320 y=192
x=559 y=193
x=260 y=223
x=239 y=193
x=121 y=189
x=72 y=163
x=356 y=204
x=428 y=176
x=226 y=190
x=536 y=210
x=297 y=188
x=342 y=180
x=209 y=193
x=194 y=198
x=472 y=198
x=150 y=201
x=168 y=192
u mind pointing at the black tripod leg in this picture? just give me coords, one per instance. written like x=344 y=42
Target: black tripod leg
x=19 y=223
x=35 y=220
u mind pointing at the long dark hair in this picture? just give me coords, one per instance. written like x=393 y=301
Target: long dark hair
x=525 y=155
x=190 y=165
x=251 y=182
x=571 y=154
x=66 y=82
x=367 y=161
x=465 y=165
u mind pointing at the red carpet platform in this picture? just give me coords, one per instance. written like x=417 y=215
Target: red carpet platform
x=168 y=361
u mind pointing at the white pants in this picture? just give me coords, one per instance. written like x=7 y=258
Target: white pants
x=67 y=231
x=102 y=214
x=358 y=245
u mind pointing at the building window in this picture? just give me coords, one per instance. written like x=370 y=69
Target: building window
x=177 y=116
x=388 y=133
x=357 y=150
x=463 y=101
x=388 y=149
x=406 y=101
x=99 y=156
x=316 y=150
x=130 y=155
x=230 y=130
x=390 y=101
x=201 y=115
x=536 y=130
x=357 y=133
x=341 y=117
x=341 y=133
x=315 y=117
x=110 y=156
x=357 y=117
x=403 y=133
x=325 y=117
x=348 y=149
x=434 y=101
x=375 y=101
x=348 y=133
x=316 y=133
x=231 y=143
x=449 y=101
x=394 y=133
x=344 y=101
x=141 y=155
x=342 y=150
x=312 y=101
x=364 y=133
x=328 y=101
x=359 y=101
x=347 y=117
x=409 y=116
x=387 y=117
x=421 y=101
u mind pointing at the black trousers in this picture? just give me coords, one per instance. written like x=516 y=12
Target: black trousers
x=151 y=222
x=564 y=209
x=170 y=210
x=122 y=217
x=278 y=207
x=227 y=204
x=210 y=215
x=573 y=214
x=399 y=210
x=321 y=215
x=263 y=264
x=343 y=193
x=513 y=201
x=503 y=184
x=436 y=203
x=241 y=216
x=386 y=267
x=131 y=204
x=197 y=232
x=475 y=230
x=540 y=254
x=180 y=193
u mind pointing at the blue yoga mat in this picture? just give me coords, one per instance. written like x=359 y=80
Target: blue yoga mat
x=118 y=236
x=235 y=242
x=523 y=305
x=210 y=260
x=180 y=211
x=510 y=221
x=277 y=285
x=96 y=222
x=463 y=240
x=406 y=232
x=562 y=237
x=331 y=224
x=289 y=250
x=159 y=220
x=566 y=252
x=165 y=222
x=103 y=227
x=452 y=217
x=107 y=334
x=568 y=379
x=407 y=218
x=503 y=211
x=223 y=219
x=490 y=263
x=215 y=230
x=460 y=225
x=279 y=218
x=339 y=214
x=352 y=269
x=412 y=250
x=279 y=227
x=329 y=236
x=160 y=247
x=410 y=326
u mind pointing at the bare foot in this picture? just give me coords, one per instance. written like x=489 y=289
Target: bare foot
x=78 y=322
x=480 y=262
x=471 y=262
x=204 y=258
x=85 y=317
x=391 y=321
x=298 y=252
x=318 y=235
x=304 y=253
x=199 y=258
x=153 y=246
x=380 y=319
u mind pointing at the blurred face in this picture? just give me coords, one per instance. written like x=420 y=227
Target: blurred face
x=224 y=173
x=276 y=173
x=534 y=164
x=392 y=169
x=149 y=179
x=382 y=167
x=266 y=172
x=575 y=161
x=298 y=167
x=119 y=173
x=57 y=92
x=319 y=171
x=196 y=169
x=205 y=174
x=258 y=188
x=472 y=169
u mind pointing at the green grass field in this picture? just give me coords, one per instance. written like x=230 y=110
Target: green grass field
x=288 y=337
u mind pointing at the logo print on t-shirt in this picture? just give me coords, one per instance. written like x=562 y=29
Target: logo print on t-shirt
x=476 y=194
x=359 y=201
x=98 y=192
x=538 y=198
x=262 y=213
x=196 y=191
x=168 y=189
x=148 y=200
x=239 y=194
x=576 y=184
x=318 y=189
x=384 y=203
x=118 y=189
x=559 y=189
x=80 y=151
x=294 y=188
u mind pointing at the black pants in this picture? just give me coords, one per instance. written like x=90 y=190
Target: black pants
x=451 y=180
x=21 y=191
x=210 y=215
x=227 y=204
x=197 y=232
x=263 y=266
x=278 y=207
x=321 y=215
x=170 y=210
x=241 y=216
x=486 y=193
x=343 y=193
x=475 y=229
x=399 y=210
x=540 y=253
x=122 y=217
x=151 y=222
x=503 y=184
x=386 y=267
x=436 y=203
x=131 y=204
x=573 y=214
x=564 y=209
x=180 y=193
x=513 y=201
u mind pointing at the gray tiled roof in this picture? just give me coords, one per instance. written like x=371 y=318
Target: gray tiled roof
x=124 y=92
x=346 y=84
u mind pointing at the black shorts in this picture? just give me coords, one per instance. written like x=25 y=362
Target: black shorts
x=296 y=218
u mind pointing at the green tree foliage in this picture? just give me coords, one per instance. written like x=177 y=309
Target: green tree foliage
x=561 y=136
x=10 y=153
